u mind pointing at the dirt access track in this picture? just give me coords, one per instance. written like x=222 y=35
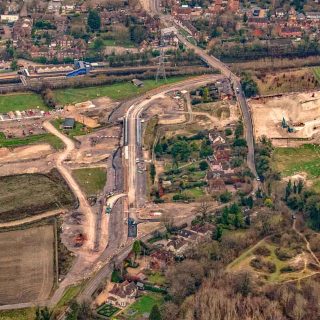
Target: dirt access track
x=301 y=111
x=26 y=265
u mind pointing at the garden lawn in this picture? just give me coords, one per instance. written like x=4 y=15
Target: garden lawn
x=117 y=91
x=20 y=102
x=157 y=279
x=143 y=306
x=306 y=158
x=90 y=180
x=114 y=43
x=196 y=192
x=107 y=310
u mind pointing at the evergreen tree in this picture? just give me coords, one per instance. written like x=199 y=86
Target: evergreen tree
x=238 y=219
x=155 y=313
x=300 y=186
x=217 y=234
x=288 y=190
x=245 y=17
x=152 y=172
x=249 y=202
x=43 y=314
x=294 y=187
x=225 y=216
x=136 y=248
x=94 y=20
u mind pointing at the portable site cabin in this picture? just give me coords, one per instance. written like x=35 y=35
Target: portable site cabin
x=68 y=123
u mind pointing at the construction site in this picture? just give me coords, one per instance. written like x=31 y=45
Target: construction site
x=289 y=119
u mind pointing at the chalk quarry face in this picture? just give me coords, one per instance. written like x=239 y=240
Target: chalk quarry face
x=301 y=112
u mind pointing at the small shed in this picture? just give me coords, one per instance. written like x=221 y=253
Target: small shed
x=69 y=123
x=137 y=82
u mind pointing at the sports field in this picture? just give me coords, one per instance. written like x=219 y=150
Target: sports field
x=26 y=264
x=28 y=194
x=21 y=101
x=117 y=91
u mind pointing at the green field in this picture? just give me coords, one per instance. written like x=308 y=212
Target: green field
x=118 y=91
x=90 y=180
x=290 y=161
x=18 y=314
x=55 y=142
x=28 y=194
x=20 y=101
x=143 y=306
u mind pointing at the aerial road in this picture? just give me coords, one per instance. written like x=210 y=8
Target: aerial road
x=136 y=186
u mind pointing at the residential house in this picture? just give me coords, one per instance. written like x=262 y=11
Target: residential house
x=181 y=13
x=203 y=229
x=216 y=185
x=233 y=5
x=161 y=259
x=215 y=181
x=122 y=294
x=9 y=17
x=290 y=32
x=314 y=16
x=280 y=13
x=177 y=246
x=54 y=6
x=187 y=234
x=222 y=154
x=258 y=22
x=216 y=138
x=224 y=88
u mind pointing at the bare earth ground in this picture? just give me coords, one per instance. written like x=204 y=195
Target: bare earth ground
x=96 y=147
x=26 y=264
x=25 y=153
x=167 y=109
x=288 y=81
x=300 y=110
x=28 y=159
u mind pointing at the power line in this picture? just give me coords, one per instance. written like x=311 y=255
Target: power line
x=161 y=71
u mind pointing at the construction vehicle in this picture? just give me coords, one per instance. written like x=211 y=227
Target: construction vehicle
x=108 y=209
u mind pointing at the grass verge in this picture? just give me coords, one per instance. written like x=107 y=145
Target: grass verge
x=90 y=180
x=117 y=91
x=55 y=142
x=18 y=314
